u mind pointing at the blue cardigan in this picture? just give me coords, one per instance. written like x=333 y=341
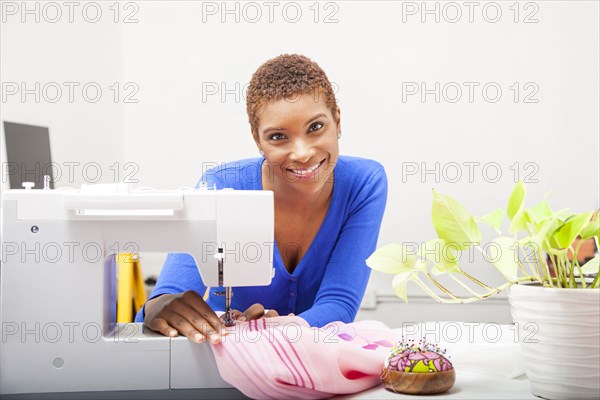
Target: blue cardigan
x=329 y=282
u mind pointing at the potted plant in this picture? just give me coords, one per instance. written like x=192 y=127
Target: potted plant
x=550 y=290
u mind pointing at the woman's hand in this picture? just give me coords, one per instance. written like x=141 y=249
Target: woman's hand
x=184 y=313
x=255 y=311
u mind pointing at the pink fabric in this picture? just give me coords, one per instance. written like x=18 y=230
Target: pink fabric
x=284 y=357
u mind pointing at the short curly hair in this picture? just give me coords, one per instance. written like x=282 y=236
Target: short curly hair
x=285 y=77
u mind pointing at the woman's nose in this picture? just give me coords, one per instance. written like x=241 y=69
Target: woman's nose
x=301 y=151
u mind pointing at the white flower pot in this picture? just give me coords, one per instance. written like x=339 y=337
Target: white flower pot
x=559 y=334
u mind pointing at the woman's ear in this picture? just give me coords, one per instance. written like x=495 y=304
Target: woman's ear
x=338 y=121
x=257 y=141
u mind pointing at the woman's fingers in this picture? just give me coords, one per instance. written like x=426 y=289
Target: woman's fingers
x=180 y=323
x=271 y=313
x=162 y=326
x=201 y=314
x=186 y=313
x=195 y=325
x=255 y=311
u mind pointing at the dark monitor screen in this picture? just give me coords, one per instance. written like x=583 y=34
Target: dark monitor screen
x=27 y=155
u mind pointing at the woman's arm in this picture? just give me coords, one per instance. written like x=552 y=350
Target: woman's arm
x=347 y=274
x=176 y=305
x=179 y=274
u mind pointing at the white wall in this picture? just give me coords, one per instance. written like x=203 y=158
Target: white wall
x=175 y=50
x=86 y=129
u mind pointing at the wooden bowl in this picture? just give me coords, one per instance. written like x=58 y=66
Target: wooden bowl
x=418 y=382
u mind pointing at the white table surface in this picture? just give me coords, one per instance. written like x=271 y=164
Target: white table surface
x=469 y=385
x=486 y=358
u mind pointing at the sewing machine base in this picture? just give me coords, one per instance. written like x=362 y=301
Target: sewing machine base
x=168 y=394
x=58 y=299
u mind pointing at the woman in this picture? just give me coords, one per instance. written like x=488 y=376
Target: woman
x=328 y=211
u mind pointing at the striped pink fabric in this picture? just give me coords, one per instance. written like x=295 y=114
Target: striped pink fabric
x=283 y=357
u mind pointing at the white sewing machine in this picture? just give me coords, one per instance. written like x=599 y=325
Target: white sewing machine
x=58 y=284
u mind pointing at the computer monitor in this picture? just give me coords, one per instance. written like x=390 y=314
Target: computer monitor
x=28 y=156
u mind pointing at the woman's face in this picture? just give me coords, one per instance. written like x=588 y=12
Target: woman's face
x=299 y=138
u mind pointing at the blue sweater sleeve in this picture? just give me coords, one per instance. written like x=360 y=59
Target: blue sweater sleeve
x=178 y=274
x=346 y=275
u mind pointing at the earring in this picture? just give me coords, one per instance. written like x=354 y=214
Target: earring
x=262 y=153
x=339 y=134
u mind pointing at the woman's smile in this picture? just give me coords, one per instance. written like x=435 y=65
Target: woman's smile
x=307 y=173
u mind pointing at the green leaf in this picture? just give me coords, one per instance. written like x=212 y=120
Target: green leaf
x=519 y=222
x=539 y=212
x=441 y=254
x=515 y=201
x=420 y=266
x=453 y=223
x=438 y=251
x=592 y=228
x=550 y=241
x=566 y=234
x=528 y=242
x=399 y=284
x=557 y=252
x=565 y=213
x=494 y=218
x=505 y=257
x=592 y=266
x=444 y=268
x=539 y=235
x=392 y=258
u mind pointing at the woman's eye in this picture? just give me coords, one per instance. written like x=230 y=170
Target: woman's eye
x=315 y=127
x=276 y=137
